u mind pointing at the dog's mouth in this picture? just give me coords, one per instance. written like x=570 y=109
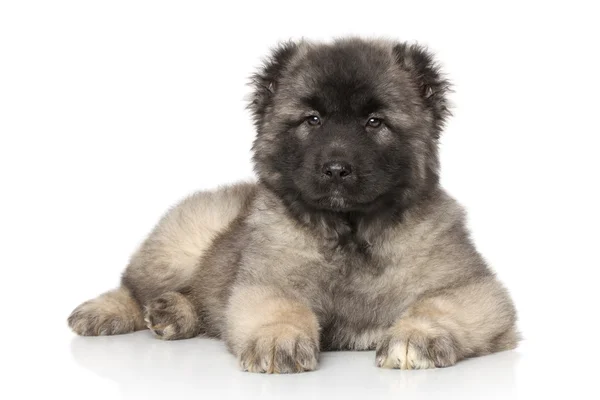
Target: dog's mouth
x=339 y=200
x=340 y=197
x=335 y=201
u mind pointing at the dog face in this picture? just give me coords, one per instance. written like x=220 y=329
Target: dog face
x=348 y=126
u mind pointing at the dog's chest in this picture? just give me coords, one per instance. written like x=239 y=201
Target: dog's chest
x=362 y=296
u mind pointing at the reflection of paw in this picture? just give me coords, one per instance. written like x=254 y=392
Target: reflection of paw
x=416 y=348
x=99 y=317
x=280 y=349
x=171 y=316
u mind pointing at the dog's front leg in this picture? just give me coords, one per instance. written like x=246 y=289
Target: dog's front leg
x=450 y=325
x=270 y=331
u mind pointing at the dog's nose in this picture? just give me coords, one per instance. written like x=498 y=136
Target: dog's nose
x=336 y=170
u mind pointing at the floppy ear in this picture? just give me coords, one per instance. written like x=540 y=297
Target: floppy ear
x=265 y=81
x=432 y=85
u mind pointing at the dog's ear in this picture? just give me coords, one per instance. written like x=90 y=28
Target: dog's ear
x=264 y=83
x=432 y=85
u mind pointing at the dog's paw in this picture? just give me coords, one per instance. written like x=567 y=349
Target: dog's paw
x=416 y=347
x=280 y=349
x=97 y=318
x=171 y=316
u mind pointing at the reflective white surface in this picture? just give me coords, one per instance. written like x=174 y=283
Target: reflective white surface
x=137 y=366
x=143 y=367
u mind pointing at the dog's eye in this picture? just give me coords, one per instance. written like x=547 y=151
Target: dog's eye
x=313 y=120
x=374 y=122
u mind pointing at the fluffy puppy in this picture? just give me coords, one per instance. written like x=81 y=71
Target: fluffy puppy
x=346 y=241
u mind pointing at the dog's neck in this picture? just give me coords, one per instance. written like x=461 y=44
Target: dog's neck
x=352 y=231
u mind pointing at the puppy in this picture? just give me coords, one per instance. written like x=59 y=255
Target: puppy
x=346 y=241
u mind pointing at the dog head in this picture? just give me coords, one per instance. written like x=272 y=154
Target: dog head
x=348 y=126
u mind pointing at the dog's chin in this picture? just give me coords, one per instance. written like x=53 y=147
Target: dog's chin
x=335 y=202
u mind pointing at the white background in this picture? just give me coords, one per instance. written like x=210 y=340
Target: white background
x=111 y=111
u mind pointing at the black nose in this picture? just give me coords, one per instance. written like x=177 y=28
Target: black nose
x=336 y=170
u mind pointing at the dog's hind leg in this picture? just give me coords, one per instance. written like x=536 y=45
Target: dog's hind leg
x=162 y=267
x=111 y=313
x=172 y=316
